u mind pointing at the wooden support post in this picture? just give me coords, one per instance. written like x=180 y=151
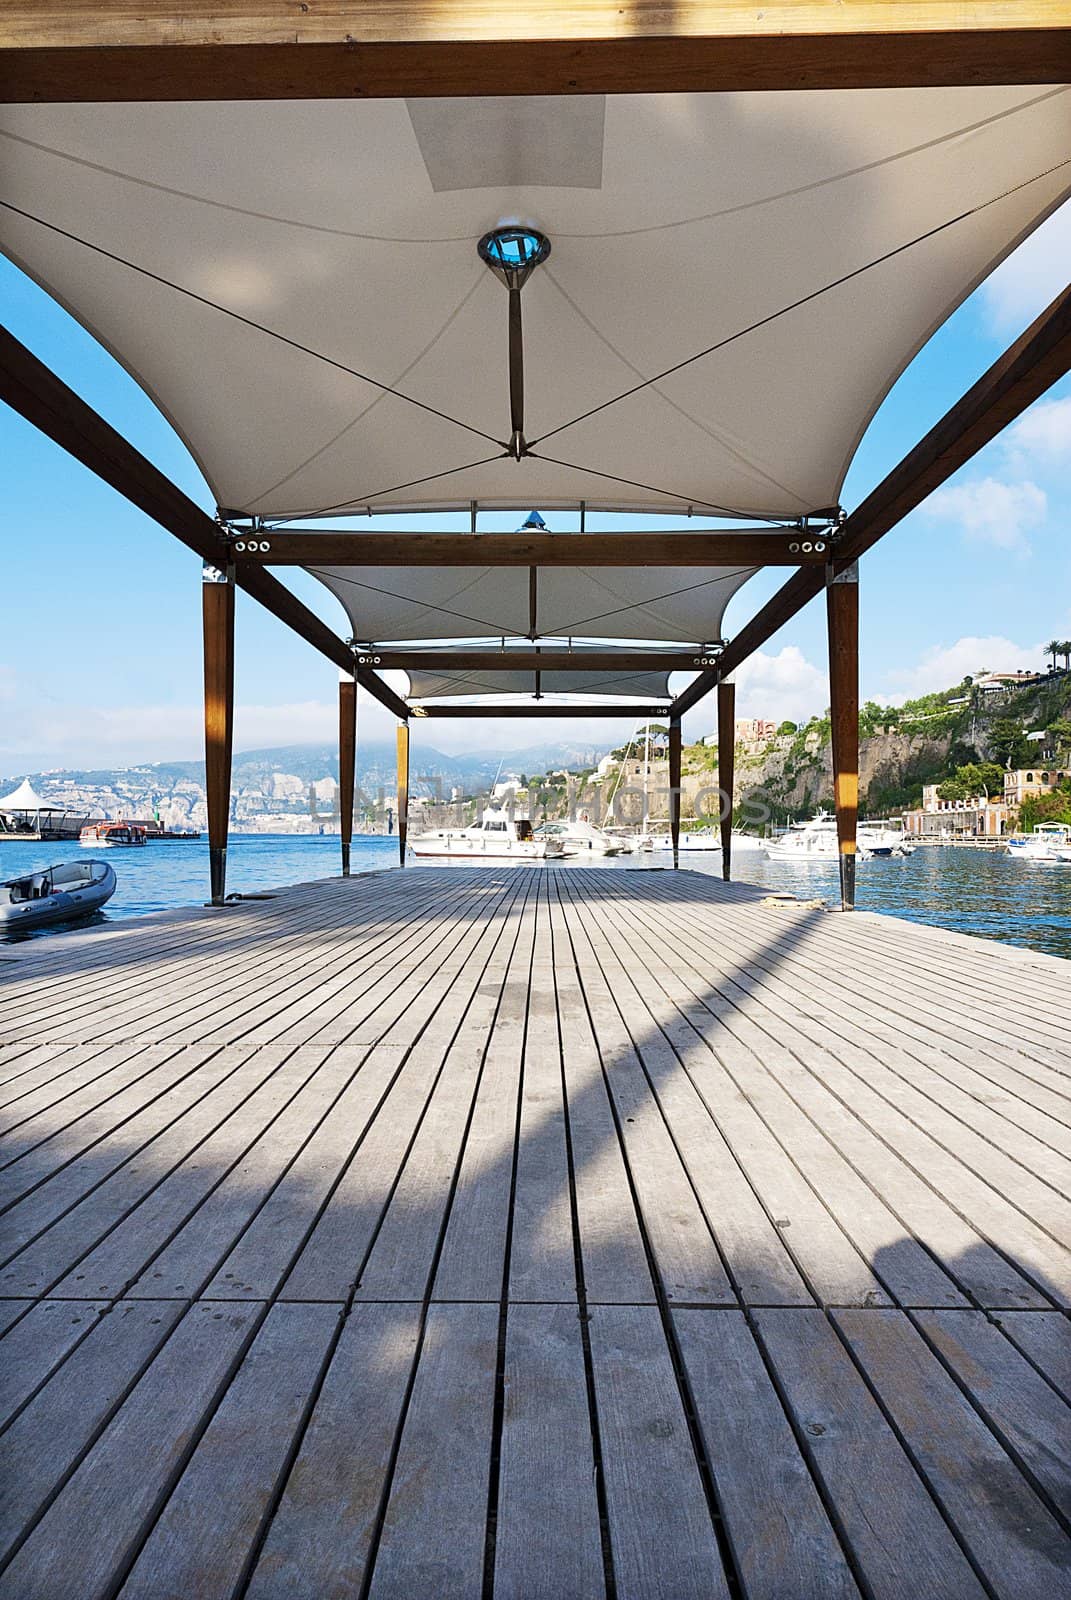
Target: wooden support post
x=347 y=761
x=403 y=788
x=726 y=769
x=675 y=786
x=842 y=609
x=217 y=603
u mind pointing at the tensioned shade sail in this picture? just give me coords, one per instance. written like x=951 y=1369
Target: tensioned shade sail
x=395 y=604
x=348 y=231
x=604 y=685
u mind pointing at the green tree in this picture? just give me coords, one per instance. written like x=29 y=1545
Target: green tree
x=1054 y=648
x=1009 y=744
x=1065 y=651
x=953 y=790
x=787 y=728
x=1055 y=807
x=983 y=778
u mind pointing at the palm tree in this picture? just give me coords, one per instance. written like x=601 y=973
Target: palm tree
x=1054 y=648
x=1065 y=651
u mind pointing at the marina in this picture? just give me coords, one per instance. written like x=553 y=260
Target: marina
x=535 y=1231
x=495 y=1212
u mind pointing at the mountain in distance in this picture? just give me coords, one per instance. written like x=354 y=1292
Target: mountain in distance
x=285 y=782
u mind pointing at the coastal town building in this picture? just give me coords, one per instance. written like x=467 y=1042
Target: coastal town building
x=1029 y=781
x=977 y=817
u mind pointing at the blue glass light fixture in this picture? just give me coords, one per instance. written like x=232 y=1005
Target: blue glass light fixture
x=513 y=253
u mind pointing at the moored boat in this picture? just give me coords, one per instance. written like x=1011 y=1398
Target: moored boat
x=496 y=834
x=1050 y=841
x=581 y=837
x=815 y=840
x=55 y=894
x=111 y=835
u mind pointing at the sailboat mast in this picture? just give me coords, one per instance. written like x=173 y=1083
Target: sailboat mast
x=646 y=774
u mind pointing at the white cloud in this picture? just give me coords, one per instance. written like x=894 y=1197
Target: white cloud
x=990 y=511
x=1042 y=434
x=945 y=665
x=780 y=686
x=1032 y=276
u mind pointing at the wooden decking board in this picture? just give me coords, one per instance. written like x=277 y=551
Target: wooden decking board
x=1023 y=1552
x=516 y=1232
x=775 y=1050
x=1017 y=1234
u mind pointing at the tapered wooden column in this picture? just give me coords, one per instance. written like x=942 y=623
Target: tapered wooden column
x=347 y=760
x=403 y=788
x=217 y=605
x=726 y=769
x=842 y=609
x=675 y=786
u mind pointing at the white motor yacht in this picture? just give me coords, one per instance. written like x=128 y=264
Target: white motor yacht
x=1050 y=841
x=581 y=837
x=496 y=834
x=884 y=839
x=815 y=840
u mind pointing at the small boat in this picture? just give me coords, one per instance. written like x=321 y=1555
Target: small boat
x=55 y=894
x=884 y=839
x=815 y=840
x=110 y=835
x=581 y=837
x=1050 y=841
x=496 y=834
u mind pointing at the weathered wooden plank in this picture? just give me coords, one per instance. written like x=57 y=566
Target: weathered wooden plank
x=56 y=1252
x=38 y=1344
x=258 y=1262
x=1024 y=1411
x=434 y=1523
x=1019 y=1548
x=661 y=1533
x=319 y=1540
x=47 y=1439
x=200 y=1544
x=678 y=1232
x=1046 y=1338
x=883 y=1507
x=548 y=1543
x=613 y=1259
x=404 y=1252
x=781 y=1536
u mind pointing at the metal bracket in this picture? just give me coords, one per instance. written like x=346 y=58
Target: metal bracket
x=210 y=573
x=850 y=574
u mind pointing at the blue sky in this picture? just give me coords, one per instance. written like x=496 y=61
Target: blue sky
x=100 y=645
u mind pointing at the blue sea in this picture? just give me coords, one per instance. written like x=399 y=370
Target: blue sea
x=973 y=891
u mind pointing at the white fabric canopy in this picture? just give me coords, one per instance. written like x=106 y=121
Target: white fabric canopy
x=395 y=604
x=25 y=798
x=349 y=228
x=604 y=686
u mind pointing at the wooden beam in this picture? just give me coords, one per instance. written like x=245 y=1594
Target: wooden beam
x=789 y=548
x=726 y=769
x=1019 y=377
x=347 y=761
x=842 y=605
x=675 y=787
x=403 y=789
x=545 y=709
x=73 y=50
x=37 y=394
x=217 y=606
x=548 y=660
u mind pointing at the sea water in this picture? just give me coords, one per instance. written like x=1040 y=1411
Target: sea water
x=974 y=891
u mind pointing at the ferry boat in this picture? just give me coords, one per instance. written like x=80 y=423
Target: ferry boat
x=109 y=835
x=815 y=840
x=496 y=834
x=581 y=837
x=1050 y=841
x=56 y=894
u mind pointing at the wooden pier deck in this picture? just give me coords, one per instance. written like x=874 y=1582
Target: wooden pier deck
x=518 y=1233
